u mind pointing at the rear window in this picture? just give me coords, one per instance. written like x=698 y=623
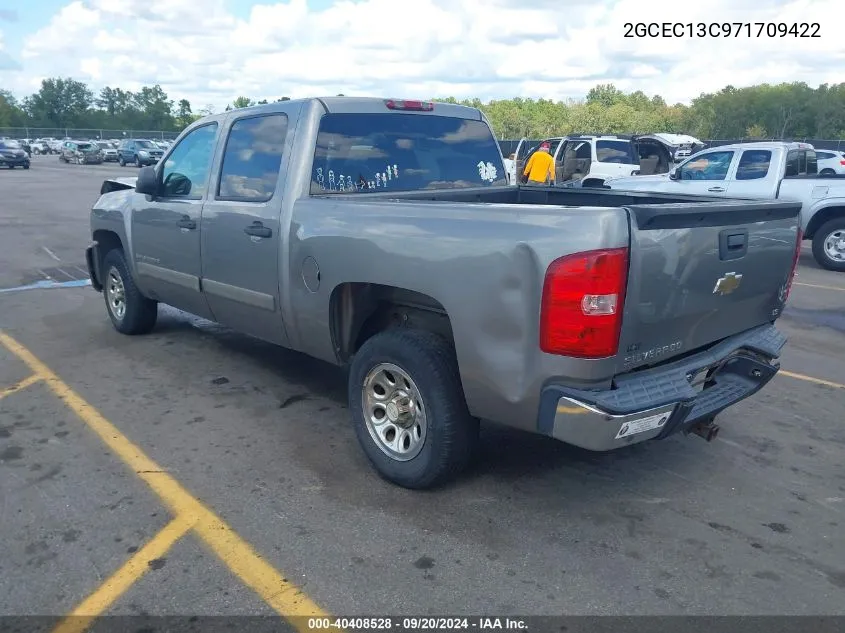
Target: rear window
x=616 y=152
x=403 y=152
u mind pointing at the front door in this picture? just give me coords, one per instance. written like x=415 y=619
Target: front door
x=704 y=175
x=165 y=227
x=241 y=224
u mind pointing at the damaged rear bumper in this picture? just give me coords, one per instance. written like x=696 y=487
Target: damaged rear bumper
x=659 y=402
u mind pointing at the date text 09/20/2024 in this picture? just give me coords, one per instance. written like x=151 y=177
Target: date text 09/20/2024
x=421 y=623
x=722 y=29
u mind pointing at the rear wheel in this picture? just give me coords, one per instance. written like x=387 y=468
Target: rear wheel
x=408 y=408
x=829 y=245
x=129 y=310
x=827 y=172
x=121 y=161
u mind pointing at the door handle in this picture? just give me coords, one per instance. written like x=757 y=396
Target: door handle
x=716 y=189
x=256 y=229
x=187 y=223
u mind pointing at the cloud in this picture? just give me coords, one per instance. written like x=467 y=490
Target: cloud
x=465 y=48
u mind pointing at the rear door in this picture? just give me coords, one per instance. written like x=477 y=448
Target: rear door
x=614 y=157
x=754 y=175
x=241 y=228
x=703 y=272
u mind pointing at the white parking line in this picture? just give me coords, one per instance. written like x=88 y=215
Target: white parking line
x=51 y=253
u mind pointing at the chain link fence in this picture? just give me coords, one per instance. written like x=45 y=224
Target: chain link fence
x=83 y=134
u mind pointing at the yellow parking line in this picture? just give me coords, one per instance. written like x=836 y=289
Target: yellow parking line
x=817 y=381
x=78 y=620
x=282 y=595
x=801 y=283
x=23 y=384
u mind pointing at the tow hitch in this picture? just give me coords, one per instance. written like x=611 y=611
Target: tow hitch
x=706 y=429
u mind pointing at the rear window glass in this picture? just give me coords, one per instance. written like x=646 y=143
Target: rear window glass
x=753 y=164
x=403 y=152
x=616 y=152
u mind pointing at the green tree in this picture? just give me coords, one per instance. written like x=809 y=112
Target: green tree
x=60 y=102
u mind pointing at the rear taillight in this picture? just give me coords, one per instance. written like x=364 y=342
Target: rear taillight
x=842 y=162
x=583 y=297
x=405 y=104
x=795 y=256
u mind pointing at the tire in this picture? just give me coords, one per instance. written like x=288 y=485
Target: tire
x=139 y=313
x=826 y=172
x=138 y=162
x=121 y=161
x=831 y=231
x=26 y=166
x=447 y=435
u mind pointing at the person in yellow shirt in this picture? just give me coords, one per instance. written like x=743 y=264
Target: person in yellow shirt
x=540 y=168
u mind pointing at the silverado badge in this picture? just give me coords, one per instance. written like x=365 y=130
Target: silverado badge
x=727 y=284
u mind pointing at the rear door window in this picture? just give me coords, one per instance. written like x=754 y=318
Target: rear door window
x=754 y=164
x=621 y=152
x=403 y=152
x=252 y=158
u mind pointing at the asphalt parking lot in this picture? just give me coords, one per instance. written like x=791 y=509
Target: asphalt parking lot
x=197 y=471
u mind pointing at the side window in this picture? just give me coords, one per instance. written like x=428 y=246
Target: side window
x=709 y=166
x=812 y=163
x=185 y=173
x=824 y=155
x=252 y=158
x=793 y=163
x=754 y=164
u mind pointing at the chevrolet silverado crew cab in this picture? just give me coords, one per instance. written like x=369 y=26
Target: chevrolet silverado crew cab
x=769 y=170
x=381 y=235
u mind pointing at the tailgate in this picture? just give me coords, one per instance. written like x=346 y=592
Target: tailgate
x=700 y=272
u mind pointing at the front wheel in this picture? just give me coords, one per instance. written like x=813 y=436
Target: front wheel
x=829 y=245
x=137 y=162
x=129 y=310
x=408 y=408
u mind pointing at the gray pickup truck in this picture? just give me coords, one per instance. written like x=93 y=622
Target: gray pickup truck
x=381 y=235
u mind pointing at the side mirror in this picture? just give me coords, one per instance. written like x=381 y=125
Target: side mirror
x=147 y=182
x=673 y=174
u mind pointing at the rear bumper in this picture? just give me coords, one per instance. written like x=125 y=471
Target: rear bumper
x=659 y=402
x=6 y=161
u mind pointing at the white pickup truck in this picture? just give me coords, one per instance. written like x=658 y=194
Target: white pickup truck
x=770 y=170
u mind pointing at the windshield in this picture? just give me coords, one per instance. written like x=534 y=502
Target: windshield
x=85 y=146
x=149 y=144
x=10 y=145
x=620 y=152
x=403 y=152
x=104 y=145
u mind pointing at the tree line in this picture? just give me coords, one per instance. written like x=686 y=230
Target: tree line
x=787 y=110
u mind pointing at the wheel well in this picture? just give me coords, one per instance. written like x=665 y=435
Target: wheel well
x=358 y=311
x=821 y=217
x=107 y=240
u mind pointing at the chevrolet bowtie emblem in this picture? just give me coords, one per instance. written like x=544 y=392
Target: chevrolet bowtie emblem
x=727 y=284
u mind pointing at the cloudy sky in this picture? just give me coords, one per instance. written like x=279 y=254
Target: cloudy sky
x=210 y=51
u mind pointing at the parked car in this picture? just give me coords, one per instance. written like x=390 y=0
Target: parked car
x=40 y=146
x=589 y=160
x=25 y=146
x=13 y=155
x=830 y=162
x=108 y=150
x=138 y=152
x=81 y=153
x=381 y=234
x=772 y=170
